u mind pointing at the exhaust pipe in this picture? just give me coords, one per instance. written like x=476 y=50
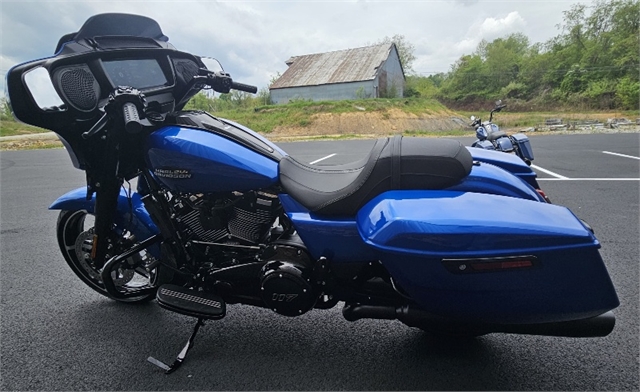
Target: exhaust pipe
x=592 y=327
x=597 y=326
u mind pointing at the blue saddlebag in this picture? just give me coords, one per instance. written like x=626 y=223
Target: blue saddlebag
x=524 y=145
x=488 y=258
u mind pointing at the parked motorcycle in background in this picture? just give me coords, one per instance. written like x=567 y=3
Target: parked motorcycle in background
x=490 y=137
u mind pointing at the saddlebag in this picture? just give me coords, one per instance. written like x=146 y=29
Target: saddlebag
x=489 y=258
x=524 y=145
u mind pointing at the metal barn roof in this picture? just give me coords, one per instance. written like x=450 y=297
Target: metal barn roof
x=342 y=66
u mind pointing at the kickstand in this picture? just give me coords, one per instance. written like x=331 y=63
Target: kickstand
x=181 y=356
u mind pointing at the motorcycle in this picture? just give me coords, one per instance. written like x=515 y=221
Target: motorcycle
x=490 y=137
x=456 y=241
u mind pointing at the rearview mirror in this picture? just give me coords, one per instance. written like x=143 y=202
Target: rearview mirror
x=41 y=88
x=212 y=64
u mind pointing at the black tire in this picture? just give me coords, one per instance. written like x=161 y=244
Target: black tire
x=72 y=230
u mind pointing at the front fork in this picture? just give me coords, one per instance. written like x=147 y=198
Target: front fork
x=106 y=185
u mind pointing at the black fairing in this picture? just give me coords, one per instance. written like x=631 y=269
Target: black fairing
x=114 y=25
x=80 y=78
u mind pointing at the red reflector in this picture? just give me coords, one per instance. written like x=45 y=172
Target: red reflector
x=544 y=196
x=501 y=265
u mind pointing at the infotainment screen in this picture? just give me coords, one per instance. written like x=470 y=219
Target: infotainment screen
x=139 y=73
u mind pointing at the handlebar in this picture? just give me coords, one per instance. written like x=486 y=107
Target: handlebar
x=121 y=103
x=244 y=87
x=131 y=118
x=222 y=82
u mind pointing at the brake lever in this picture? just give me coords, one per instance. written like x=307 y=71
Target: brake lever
x=97 y=127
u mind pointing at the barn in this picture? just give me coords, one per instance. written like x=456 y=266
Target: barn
x=367 y=72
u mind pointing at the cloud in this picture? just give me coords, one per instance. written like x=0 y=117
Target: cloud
x=489 y=29
x=492 y=28
x=466 y=3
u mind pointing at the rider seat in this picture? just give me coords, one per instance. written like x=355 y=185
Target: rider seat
x=393 y=164
x=496 y=135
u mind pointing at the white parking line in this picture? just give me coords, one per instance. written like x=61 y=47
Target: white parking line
x=620 y=155
x=588 y=179
x=556 y=175
x=321 y=159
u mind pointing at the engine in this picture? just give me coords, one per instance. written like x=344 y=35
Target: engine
x=237 y=229
x=226 y=228
x=241 y=217
x=287 y=281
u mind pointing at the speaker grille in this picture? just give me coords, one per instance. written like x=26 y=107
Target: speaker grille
x=80 y=88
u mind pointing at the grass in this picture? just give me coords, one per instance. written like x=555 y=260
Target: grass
x=508 y=119
x=10 y=127
x=265 y=119
x=30 y=145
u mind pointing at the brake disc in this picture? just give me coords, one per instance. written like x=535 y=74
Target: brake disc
x=83 y=245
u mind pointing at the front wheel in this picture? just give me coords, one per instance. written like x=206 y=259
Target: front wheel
x=75 y=238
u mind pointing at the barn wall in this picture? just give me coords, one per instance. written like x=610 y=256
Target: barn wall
x=390 y=77
x=326 y=92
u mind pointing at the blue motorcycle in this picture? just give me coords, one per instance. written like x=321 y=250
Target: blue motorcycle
x=490 y=137
x=456 y=241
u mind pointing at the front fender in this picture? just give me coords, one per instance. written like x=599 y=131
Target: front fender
x=130 y=214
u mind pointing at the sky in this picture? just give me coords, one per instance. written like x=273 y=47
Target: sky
x=253 y=39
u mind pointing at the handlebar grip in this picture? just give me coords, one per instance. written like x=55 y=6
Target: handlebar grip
x=244 y=87
x=131 y=118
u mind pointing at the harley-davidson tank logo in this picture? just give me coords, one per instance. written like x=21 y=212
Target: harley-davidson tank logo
x=172 y=173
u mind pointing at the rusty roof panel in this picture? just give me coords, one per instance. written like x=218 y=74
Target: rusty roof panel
x=342 y=66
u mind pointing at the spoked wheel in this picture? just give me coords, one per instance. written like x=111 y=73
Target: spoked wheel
x=75 y=235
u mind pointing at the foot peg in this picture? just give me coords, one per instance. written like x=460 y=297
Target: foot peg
x=193 y=303
x=204 y=306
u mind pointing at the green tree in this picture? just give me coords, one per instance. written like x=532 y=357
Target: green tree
x=503 y=59
x=466 y=79
x=5 y=110
x=595 y=50
x=420 y=86
x=200 y=101
x=594 y=61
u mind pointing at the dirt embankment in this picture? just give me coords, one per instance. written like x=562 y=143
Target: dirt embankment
x=371 y=124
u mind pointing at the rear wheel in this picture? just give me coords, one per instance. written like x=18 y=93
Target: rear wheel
x=75 y=236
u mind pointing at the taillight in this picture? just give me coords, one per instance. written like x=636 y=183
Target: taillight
x=469 y=266
x=500 y=265
x=544 y=196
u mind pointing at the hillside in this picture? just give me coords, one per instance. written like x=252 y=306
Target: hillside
x=409 y=116
x=361 y=119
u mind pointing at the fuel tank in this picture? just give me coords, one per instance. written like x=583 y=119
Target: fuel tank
x=202 y=154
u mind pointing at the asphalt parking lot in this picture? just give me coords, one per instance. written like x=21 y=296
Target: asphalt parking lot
x=58 y=334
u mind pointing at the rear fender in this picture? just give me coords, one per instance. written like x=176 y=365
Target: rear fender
x=509 y=162
x=131 y=212
x=492 y=179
